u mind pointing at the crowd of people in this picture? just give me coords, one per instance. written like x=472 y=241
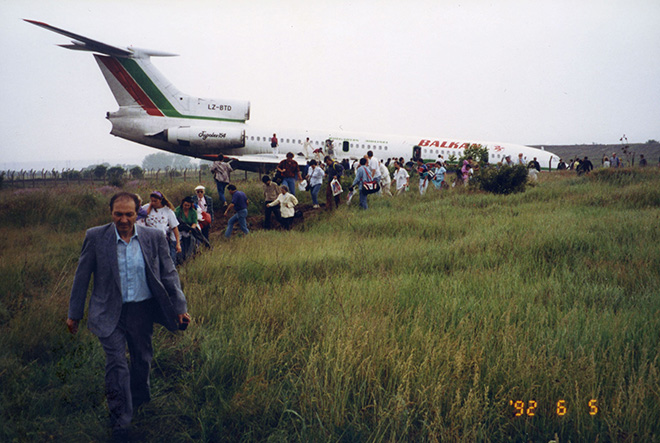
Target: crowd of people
x=185 y=227
x=584 y=165
x=369 y=175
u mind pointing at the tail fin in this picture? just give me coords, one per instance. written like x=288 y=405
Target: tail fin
x=136 y=83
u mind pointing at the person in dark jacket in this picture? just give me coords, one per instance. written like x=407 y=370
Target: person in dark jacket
x=534 y=164
x=585 y=166
x=332 y=170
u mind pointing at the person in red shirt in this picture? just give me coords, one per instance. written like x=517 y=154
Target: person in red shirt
x=290 y=172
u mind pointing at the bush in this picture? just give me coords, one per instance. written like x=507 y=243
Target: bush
x=505 y=180
x=116 y=176
x=100 y=171
x=137 y=173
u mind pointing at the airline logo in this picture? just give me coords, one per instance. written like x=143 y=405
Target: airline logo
x=204 y=135
x=445 y=144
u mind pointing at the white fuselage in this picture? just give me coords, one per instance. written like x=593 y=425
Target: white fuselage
x=256 y=141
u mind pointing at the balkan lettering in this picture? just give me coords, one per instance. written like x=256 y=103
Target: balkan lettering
x=444 y=144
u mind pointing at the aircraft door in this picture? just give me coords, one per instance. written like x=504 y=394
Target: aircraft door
x=344 y=146
x=417 y=153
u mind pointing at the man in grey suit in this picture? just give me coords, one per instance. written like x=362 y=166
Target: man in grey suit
x=135 y=285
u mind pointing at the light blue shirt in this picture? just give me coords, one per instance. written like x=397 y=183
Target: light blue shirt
x=132 y=271
x=361 y=176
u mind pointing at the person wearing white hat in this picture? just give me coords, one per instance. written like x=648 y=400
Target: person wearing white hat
x=205 y=204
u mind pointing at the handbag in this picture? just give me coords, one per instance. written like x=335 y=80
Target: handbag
x=206 y=220
x=336 y=187
x=370 y=186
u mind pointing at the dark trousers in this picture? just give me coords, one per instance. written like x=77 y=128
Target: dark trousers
x=206 y=230
x=127 y=387
x=221 y=192
x=329 y=197
x=269 y=212
x=286 y=223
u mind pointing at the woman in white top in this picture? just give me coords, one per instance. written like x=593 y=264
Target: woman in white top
x=315 y=177
x=160 y=215
x=401 y=178
x=287 y=204
x=385 y=180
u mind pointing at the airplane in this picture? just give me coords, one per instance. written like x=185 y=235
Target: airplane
x=155 y=113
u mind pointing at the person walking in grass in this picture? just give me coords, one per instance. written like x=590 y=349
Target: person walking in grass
x=205 y=205
x=466 y=170
x=401 y=178
x=334 y=171
x=160 y=215
x=135 y=285
x=271 y=192
x=439 y=175
x=290 y=172
x=315 y=178
x=423 y=172
x=374 y=164
x=362 y=175
x=385 y=179
x=221 y=171
x=239 y=203
x=287 y=203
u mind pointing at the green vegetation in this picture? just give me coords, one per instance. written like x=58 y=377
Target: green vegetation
x=501 y=180
x=423 y=318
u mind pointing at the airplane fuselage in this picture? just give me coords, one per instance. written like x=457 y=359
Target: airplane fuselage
x=206 y=139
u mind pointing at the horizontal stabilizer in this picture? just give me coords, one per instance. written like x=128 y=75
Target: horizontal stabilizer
x=82 y=43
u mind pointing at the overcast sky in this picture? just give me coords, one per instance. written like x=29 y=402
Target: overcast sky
x=528 y=72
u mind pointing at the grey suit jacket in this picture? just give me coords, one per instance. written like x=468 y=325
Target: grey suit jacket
x=99 y=257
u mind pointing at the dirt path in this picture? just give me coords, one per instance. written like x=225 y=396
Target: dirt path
x=256 y=222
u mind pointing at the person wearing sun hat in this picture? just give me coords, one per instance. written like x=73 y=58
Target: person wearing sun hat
x=205 y=204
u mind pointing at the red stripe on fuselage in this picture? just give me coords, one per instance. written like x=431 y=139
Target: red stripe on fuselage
x=131 y=86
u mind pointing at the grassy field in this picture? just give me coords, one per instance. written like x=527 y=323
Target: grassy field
x=453 y=316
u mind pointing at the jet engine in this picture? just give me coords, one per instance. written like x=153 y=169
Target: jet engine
x=213 y=138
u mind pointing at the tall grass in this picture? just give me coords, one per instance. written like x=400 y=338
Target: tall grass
x=423 y=318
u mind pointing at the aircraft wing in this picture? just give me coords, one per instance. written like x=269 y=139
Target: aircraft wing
x=258 y=162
